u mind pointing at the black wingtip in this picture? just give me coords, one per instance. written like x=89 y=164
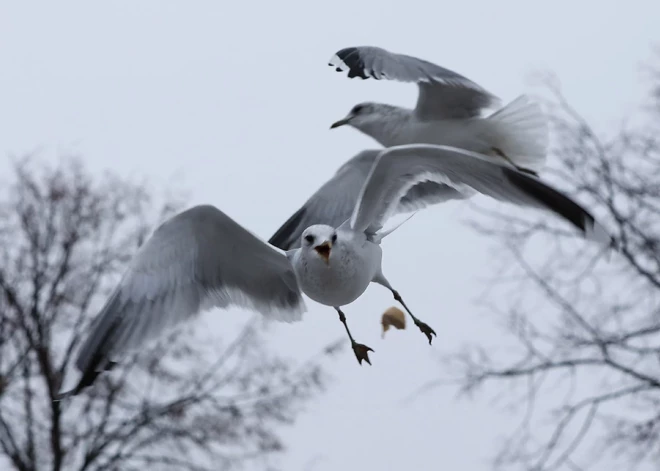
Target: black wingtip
x=561 y=204
x=351 y=57
x=347 y=52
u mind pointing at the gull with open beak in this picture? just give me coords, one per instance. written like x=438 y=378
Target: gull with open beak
x=323 y=250
x=335 y=260
x=201 y=258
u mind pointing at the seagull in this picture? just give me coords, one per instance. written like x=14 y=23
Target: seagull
x=335 y=263
x=447 y=111
x=201 y=258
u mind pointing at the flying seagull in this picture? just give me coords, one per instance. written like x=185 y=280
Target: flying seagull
x=447 y=111
x=201 y=258
x=335 y=265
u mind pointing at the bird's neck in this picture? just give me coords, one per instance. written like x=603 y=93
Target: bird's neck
x=391 y=127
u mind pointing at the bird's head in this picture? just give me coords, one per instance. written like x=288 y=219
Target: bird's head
x=377 y=120
x=362 y=115
x=318 y=241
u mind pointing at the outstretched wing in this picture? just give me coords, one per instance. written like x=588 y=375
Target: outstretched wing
x=196 y=260
x=443 y=94
x=333 y=203
x=399 y=168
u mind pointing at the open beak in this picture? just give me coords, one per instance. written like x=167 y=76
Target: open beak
x=341 y=122
x=324 y=251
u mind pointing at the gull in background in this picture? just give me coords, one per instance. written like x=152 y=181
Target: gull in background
x=201 y=258
x=447 y=111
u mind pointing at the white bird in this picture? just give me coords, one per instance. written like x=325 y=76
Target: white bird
x=335 y=265
x=201 y=258
x=447 y=111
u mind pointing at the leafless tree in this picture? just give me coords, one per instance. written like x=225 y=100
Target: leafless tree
x=580 y=366
x=184 y=404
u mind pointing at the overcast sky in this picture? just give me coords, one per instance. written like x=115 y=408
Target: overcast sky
x=233 y=101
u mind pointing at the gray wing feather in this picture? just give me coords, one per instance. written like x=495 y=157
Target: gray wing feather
x=428 y=193
x=399 y=168
x=334 y=202
x=443 y=94
x=196 y=260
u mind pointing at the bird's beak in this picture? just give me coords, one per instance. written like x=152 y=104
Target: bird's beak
x=341 y=122
x=324 y=251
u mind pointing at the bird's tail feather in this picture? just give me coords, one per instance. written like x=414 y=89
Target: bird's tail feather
x=519 y=133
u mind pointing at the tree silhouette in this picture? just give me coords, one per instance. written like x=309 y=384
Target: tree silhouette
x=581 y=367
x=186 y=403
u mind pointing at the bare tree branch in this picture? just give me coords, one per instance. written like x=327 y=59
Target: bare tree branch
x=183 y=403
x=586 y=330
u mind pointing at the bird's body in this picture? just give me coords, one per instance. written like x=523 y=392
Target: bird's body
x=353 y=263
x=455 y=133
x=403 y=127
x=399 y=126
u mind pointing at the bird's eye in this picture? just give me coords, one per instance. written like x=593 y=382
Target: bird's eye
x=334 y=238
x=309 y=238
x=357 y=109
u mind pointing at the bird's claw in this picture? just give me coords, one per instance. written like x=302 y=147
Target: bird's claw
x=362 y=352
x=426 y=330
